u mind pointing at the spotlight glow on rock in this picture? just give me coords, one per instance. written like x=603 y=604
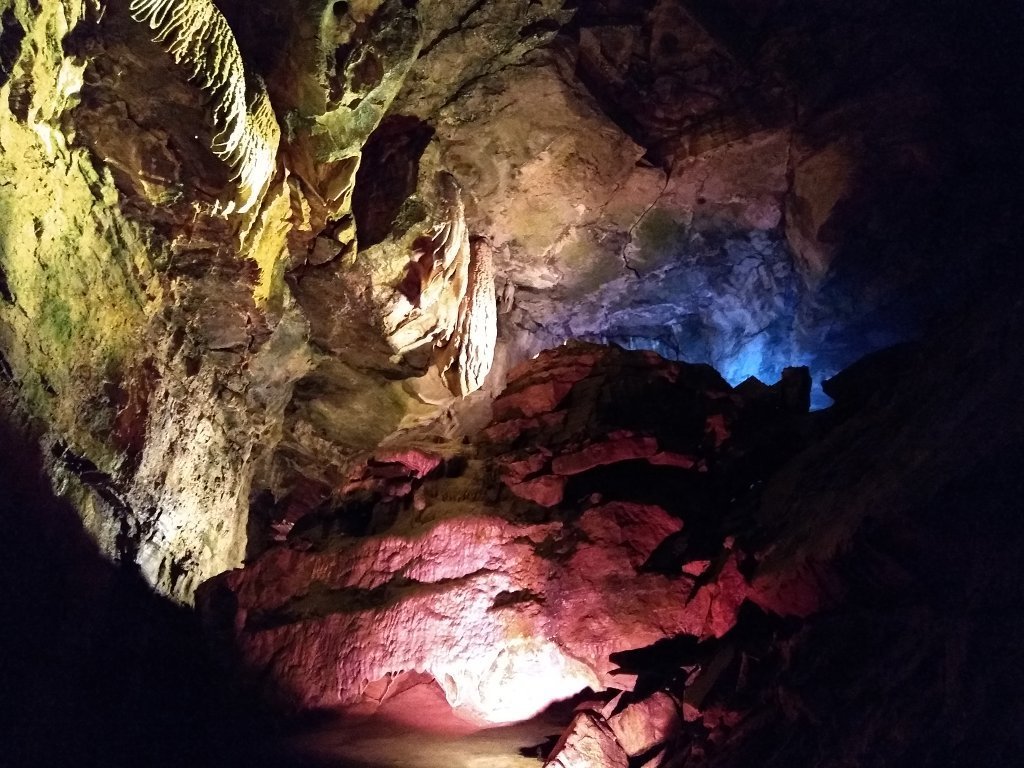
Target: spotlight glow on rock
x=522 y=679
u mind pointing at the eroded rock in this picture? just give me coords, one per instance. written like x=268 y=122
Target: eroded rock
x=512 y=599
x=643 y=725
x=588 y=743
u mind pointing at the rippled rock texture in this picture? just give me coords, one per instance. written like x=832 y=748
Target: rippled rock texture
x=597 y=514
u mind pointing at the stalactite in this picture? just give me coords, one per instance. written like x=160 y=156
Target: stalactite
x=436 y=277
x=466 y=361
x=198 y=37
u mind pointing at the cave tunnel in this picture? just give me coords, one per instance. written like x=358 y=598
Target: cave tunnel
x=509 y=383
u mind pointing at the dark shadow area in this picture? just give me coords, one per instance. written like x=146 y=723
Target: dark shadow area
x=387 y=176
x=11 y=36
x=95 y=669
x=5 y=288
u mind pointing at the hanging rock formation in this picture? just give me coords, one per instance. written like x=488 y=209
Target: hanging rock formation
x=469 y=354
x=450 y=308
x=197 y=35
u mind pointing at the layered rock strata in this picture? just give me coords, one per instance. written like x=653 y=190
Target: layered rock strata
x=593 y=517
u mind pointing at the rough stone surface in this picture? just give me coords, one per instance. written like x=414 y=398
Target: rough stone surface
x=643 y=725
x=196 y=324
x=507 y=606
x=588 y=743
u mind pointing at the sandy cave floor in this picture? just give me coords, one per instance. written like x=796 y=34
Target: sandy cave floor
x=417 y=729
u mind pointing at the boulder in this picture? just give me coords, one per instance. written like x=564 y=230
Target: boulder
x=588 y=743
x=514 y=576
x=644 y=725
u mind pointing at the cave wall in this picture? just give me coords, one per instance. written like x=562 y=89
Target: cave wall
x=206 y=368
x=752 y=185
x=761 y=184
x=163 y=294
x=132 y=348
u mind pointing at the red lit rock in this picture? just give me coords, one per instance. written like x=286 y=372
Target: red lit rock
x=668 y=459
x=494 y=582
x=727 y=593
x=538 y=398
x=634 y=529
x=801 y=590
x=473 y=600
x=516 y=470
x=609 y=452
x=416 y=461
x=696 y=567
x=546 y=491
x=717 y=429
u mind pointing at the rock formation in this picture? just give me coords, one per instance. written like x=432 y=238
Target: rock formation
x=514 y=572
x=427 y=341
x=197 y=35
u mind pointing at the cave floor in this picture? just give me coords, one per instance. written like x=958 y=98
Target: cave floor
x=417 y=729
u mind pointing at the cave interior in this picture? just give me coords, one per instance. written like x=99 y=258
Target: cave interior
x=509 y=383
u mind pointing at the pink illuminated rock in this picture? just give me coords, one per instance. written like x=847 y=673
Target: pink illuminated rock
x=539 y=398
x=323 y=625
x=609 y=452
x=630 y=529
x=798 y=591
x=473 y=600
x=547 y=490
x=643 y=725
x=727 y=594
x=696 y=567
x=516 y=470
x=681 y=460
x=588 y=743
x=510 y=606
x=420 y=463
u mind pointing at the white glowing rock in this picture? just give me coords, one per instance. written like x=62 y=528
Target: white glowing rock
x=519 y=681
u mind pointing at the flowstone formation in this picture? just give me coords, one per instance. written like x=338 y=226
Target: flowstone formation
x=197 y=35
x=447 y=309
x=600 y=512
x=180 y=251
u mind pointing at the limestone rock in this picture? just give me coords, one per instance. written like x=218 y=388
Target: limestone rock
x=470 y=352
x=510 y=607
x=820 y=181
x=447 y=308
x=643 y=725
x=588 y=743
